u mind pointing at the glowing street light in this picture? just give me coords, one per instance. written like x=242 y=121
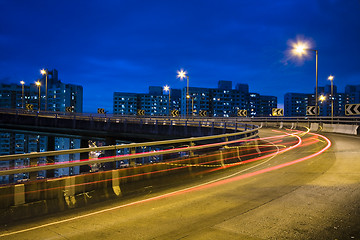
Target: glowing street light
x=38 y=83
x=45 y=72
x=183 y=74
x=301 y=48
x=331 y=78
x=167 y=88
x=22 y=93
x=322 y=98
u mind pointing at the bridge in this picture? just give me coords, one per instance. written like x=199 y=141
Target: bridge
x=291 y=178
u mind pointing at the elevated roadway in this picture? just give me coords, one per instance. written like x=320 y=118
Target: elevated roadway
x=306 y=189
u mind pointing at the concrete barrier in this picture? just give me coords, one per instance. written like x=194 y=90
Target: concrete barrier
x=328 y=127
x=314 y=127
x=293 y=125
x=303 y=124
x=346 y=129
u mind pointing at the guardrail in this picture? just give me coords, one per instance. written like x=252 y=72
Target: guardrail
x=141 y=120
x=115 y=117
x=190 y=142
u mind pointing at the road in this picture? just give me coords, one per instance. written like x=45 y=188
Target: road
x=288 y=195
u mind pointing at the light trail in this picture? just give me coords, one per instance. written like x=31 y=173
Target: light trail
x=174 y=163
x=208 y=184
x=161 y=152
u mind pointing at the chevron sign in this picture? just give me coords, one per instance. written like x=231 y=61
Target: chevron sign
x=69 y=109
x=140 y=112
x=352 y=109
x=242 y=113
x=101 y=110
x=310 y=110
x=203 y=113
x=277 y=112
x=29 y=106
x=175 y=113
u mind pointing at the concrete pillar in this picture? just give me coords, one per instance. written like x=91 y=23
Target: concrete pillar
x=116 y=182
x=19 y=194
x=222 y=158
x=69 y=192
x=191 y=153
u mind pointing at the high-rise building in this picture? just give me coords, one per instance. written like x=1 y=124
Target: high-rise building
x=60 y=96
x=175 y=99
x=199 y=101
x=154 y=103
x=353 y=92
x=218 y=102
x=267 y=103
x=125 y=103
x=295 y=104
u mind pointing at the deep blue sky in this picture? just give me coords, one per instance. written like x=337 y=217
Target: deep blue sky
x=108 y=46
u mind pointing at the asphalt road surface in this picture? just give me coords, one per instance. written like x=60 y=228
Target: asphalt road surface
x=294 y=194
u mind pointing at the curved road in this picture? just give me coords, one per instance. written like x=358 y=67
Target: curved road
x=292 y=194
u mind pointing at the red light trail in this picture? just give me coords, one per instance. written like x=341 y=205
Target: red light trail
x=216 y=182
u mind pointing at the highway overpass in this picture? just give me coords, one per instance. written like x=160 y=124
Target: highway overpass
x=289 y=184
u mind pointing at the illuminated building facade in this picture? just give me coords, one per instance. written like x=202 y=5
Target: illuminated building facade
x=295 y=103
x=60 y=96
x=217 y=102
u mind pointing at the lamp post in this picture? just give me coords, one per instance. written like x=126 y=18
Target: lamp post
x=45 y=72
x=38 y=83
x=331 y=78
x=22 y=94
x=167 y=88
x=300 y=49
x=182 y=74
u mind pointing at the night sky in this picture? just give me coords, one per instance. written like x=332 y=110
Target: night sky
x=126 y=46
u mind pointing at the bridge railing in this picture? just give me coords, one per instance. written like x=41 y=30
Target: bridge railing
x=152 y=119
x=233 y=123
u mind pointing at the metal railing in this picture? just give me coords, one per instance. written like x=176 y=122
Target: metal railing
x=152 y=119
x=191 y=146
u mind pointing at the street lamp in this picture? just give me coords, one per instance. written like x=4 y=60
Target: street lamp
x=322 y=98
x=45 y=72
x=38 y=83
x=167 y=88
x=300 y=49
x=331 y=78
x=182 y=74
x=22 y=94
